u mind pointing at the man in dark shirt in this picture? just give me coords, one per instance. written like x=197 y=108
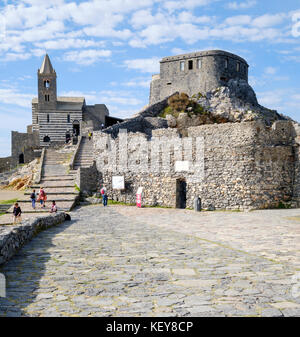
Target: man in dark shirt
x=17 y=213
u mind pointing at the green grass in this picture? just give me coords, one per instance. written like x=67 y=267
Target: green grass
x=2 y=214
x=8 y=202
x=114 y=202
x=77 y=188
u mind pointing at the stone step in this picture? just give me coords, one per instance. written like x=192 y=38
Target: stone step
x=83 y=166
x=61 y=206
x=57 y=190
x=56 y=197
x=58 y=178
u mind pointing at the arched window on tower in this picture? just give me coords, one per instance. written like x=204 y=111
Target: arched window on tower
x=47 y=84
x=47 y=98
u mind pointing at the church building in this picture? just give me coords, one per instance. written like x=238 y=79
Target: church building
x=57 y=118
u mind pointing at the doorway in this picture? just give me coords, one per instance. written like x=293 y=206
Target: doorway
x=76 y=128
x=181 y=193
x=21 y=158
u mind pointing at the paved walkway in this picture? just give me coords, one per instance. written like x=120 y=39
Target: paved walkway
x=121 y=261
x=10 y=195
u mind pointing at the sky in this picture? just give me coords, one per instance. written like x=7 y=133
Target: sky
x=107 y=50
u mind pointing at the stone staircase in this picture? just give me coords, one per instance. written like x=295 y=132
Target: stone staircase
x=84 y=157
x=58 y=183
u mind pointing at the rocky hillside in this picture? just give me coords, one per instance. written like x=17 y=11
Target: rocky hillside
x=234 y=103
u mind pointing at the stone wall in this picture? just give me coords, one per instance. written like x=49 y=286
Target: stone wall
x=210 y=70
x=246 y=165
x=5 y=164
x=12 y=238
x=23 y=144
x=87 y=178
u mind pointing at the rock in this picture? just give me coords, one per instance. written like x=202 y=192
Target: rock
x=237 y=102
x=172 y=122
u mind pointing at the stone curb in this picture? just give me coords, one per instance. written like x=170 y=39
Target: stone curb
x=13 y=238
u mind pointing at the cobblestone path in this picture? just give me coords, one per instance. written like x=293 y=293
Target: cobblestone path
x=104 y=263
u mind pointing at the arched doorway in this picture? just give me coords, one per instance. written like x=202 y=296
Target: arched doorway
x=21 y=158
x=46 y=139
x=76 y=128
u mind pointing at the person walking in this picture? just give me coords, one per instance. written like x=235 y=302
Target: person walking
x=53 y=207
x=90 y=135
x=42 y=197
x=17 y=213
x=33 y=199
x=104 y=196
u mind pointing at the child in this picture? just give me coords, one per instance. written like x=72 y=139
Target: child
x=33 y=197
x=42 y=197
x=53 y=207
x=17 y=213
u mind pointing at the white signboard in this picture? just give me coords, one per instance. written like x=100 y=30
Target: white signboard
x=181 y=166
x=118 y=183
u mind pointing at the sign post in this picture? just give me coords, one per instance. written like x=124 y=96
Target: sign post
x=139 y=197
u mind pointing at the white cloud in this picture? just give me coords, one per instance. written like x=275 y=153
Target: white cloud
x=238 y=20
x=86 y=57
x=268 y=20
x=13 y=96
x=150 y=65
x=69 y=43
x=186 y=4
x=122 y=98
x=270 y=71
x=241 y=5
x=138 y=82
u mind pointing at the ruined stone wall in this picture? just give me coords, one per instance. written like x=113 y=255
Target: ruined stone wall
x=246 y=165
x=196 y=72
x=23 y=143
x=87 y=179
x=5 y=164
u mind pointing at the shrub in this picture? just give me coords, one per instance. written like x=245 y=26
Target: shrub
x=179 y=102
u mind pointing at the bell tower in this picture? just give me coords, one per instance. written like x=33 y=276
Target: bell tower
x=47 y=92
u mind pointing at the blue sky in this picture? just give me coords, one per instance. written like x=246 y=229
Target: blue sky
x=107 y=50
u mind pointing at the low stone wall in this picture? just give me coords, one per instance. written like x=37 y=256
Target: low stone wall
x=87 y=178
x=38 y=177
x=12 y=238
x=75 y=154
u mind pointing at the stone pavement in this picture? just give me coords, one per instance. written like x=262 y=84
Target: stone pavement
x=121 y=261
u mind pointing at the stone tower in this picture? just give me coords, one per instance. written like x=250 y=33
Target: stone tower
x=47 y=92
x=196 y=72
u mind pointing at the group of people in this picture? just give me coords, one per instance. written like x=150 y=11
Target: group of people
x=41 y=197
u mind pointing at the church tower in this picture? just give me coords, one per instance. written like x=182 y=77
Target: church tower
x=47 y=92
